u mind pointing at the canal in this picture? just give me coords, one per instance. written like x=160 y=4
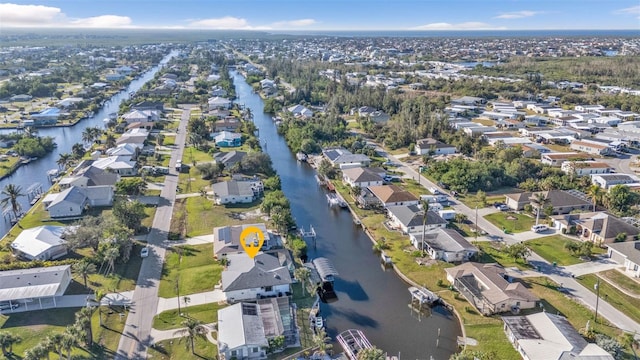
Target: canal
x=370 y=299
x=65 y=138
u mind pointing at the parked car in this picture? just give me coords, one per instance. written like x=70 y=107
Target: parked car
x=503 y=207
x=144 y=252
x=9 y=306
x=539 y=228
x=497 y=204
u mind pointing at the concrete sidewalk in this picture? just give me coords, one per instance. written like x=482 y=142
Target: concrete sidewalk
x=194 y=299
x=160 y=335
x=196 y=240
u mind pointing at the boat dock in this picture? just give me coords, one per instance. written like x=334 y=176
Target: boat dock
x=421 y=298
x=352 y=342
x=34 y=193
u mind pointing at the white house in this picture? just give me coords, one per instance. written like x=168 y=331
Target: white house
x=234 y=192
x=35 y=287
x=300 y=111
x=582 y=168
x=591 y=147
x=606 y=181
x=68 y=203
x=121 y=165
x=627 y=254
x=123 y=150
x=141 y=116
x=40 y=243
x=444 y=244
x=425 y=146
x=410 y=219
x=219 y=103
x=361 y=177
x=245 y=278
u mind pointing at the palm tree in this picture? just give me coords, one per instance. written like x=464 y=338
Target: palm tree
x=83 y=321
x=110 y=255
x=192 y=329
x=84 y=268
x=77 y=150
x=54 y=343
x=595 y=193
x=37 y=352
x=6 y=341
x=87 y=135
x=110 y=140
x=371 y=354
x=322 y=342
x=12 y=193
x=99 y=295
x=539 y=200
x=68 y=342
x=302 y=274
x=63 y=160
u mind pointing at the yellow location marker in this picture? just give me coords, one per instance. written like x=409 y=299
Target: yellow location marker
x=251 y=239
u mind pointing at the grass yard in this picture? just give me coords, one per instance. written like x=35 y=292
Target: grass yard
x=191 y=182
x=485 y=122
x=492 y=253
x=413 y=187
x=195 y=270
x=169 y=140
x=629 y=305
x=621 y=280
x=178 y=349
x=108 y=336
x=207 y=313
x=9 y=165
x=551 y=248
x=203 y=215
x=123 y=279
x=512 y=222
x=472 y=201
x=192 y=154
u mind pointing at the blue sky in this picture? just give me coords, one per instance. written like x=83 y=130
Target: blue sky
x=325 y=14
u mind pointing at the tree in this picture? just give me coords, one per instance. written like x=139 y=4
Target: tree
x=37 y=352
x=12 y=193
x=610 y=345
x=272 y=183
x=83 y=321
x=620 y=198
x=518 y=251
x=192 y=330
x=481 y=197
x=129 y=213
x=326 y=169
x=98 y=296
x=6 y=341
x=275 y=344
x=210 y=171
x=621 y=237
x=78 y=151
x=302 y=274
x=110 y=140
x=595 y=193
x=131 y=186
x=281 y=218
x=372 y=353
x=84 y=268
x=321 y=342
x=460 y=218
x=86 y=232
x=63 y=160
x=273 y=199
x=257 y=163
x=110 y=256
x=54 y=342
x=68 y=342
x=539 y=200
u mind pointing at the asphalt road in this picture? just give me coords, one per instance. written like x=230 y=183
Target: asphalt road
x=136 y=334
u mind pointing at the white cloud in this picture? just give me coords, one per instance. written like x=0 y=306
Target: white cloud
x=223 y=23
x=29 y=15
x=293 y=23
x=518 y=14
x=634 y=10
x=471 y=25
x=103 y=21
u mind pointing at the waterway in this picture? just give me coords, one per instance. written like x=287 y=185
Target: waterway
x=370 y=299
x=66 y=137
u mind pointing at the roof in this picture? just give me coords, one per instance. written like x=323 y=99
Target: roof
x=557 y=198
x=97 y=176
x=630 y=249
x=486 y=281
x=243 y=272
x=232 y=188
x=392 y=194
x=33 y=283
x=226 y=135
x=412 y=215
x=430 y=142
x=72 y=194
x=38 y=240
x=227 y=238
x=359 y=174
x=229 y=157
x=447 y=240
x=325 y=268
x=545 y=336
x=114 y=162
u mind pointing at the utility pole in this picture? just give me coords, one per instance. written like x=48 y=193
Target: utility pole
x=596 y=287
x=178 y=291
x=477 y=229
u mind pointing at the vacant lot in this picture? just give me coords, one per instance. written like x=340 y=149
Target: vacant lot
x=192 y=267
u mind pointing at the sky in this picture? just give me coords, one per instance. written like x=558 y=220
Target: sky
x=315 y=15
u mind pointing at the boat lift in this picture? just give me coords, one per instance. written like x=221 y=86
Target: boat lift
x=311 y=234
x=34 y=193
x=352 y=342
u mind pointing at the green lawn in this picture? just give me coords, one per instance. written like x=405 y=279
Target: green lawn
x=512 y=222
x=203 y=215
x=624 y=282
x=176 y=349
x=629 y=305
x=108 y=336
x=207 y=313
x=191 y=182
x=192 y=154
x=413 y=187
x=472 y=201
x=551 y=248
x=123 y=279
x=196 y=270
x=169 y=140
x=9 y=165
x=493 y=253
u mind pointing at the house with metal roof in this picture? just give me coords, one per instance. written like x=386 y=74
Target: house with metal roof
x=485 y=287
x=343 y=158
x=43 y=284
x=226 y=239
x=444 y=244
x=40 y=243
x=244 y=329
x=425 y=146
x=121 y=165
x=229 y=158
x=267 y=274
x=562 y=201
x=545 y=336
x=227 y=139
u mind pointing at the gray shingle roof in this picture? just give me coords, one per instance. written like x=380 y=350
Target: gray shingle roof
x=412 y=215
x=265 y=269
x=229 y=158
x=447 y=240
x=232 y=187
x=72 y=194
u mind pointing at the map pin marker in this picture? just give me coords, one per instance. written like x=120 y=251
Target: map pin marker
x=251 y=239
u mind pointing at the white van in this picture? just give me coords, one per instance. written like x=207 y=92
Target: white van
x=539 y=228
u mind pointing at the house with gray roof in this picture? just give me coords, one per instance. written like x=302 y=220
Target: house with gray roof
x=597 y=227
x=546 y=336
x=244 y=329
x=343 y=158
x=229 y=158
x=425 y=146
x=43 y=284
x=361 y=177
x=69 y=203
x=234 y=192
x=246 y=278
x=485 y=287
x=562 y=201
x=40 y=243
x=444 y=244
x=410 y=219
x=627 y=254
x=226 y=239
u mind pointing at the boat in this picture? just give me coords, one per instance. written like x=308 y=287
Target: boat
x=330 y=186
x=301 y=156
x=352 y=342
x=25 y=160
x=386 y=259
x=35 y=199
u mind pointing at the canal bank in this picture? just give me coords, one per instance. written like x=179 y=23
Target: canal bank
x=371 y=298
x=65 y=137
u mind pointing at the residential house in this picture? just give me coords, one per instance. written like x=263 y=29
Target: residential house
x=546 y=336
x=227 y=124
x=266 y=274
x=69 y=102
x=607 y=181
x=245 y=328
x=597 y=227
x=627 y=254
x=149 y=105
x=40 y=243
x=468 y=100
x=121 y=165
x=141 y=116
x=97 y=184
x=343 y=158
x=123 y=150
x=367 y=199
x=227 y=139
x=485 y=287
x=234 y=192
x=582 y=168
x=218 y=91
x=444 y=244
x=410 y=219
x=39 y=286
x=361 y=177
x=226 y=239
x=20 y=98
x=136 y=137
x=562 y=201
x=229 y=158
x=219 y=103
x=69 y=203
x=437 y=147
x=114 y=77
x=379 y=117
x=48 y=116
x=300 y=111
x=393 y=195
x=557 y=158
x=591 y=147
x=534 y=150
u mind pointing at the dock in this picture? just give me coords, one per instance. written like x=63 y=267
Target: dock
x=334 y=199
x=422 y=299
x=352 y=342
